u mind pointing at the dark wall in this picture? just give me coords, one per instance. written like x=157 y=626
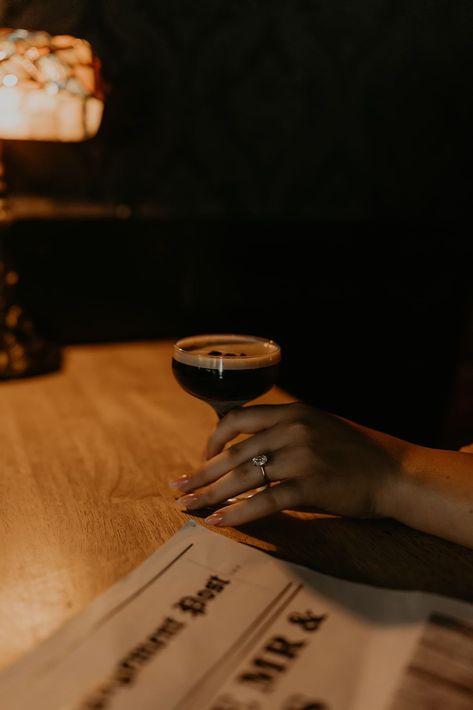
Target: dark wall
x=370 y=318
x=307 y=108
x=311 y=161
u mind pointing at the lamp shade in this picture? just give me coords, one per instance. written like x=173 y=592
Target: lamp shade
x=49 y=87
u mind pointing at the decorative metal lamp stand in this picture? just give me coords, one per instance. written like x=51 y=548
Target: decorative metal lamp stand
x=49 y=91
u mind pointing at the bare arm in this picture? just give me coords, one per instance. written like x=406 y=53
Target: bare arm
x=433 y=493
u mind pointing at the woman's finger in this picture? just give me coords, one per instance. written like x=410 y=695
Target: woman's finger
x=271 y=500
x=245 y=420
x=283 y=464
x=266 y=442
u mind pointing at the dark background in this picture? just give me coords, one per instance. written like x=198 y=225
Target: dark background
x=301 y=170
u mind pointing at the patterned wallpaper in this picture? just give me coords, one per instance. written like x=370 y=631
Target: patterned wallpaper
x=312 y=108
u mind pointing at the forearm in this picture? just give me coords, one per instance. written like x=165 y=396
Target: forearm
x=433 y=493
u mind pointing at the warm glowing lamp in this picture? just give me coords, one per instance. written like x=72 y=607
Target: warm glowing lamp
x=49 y=91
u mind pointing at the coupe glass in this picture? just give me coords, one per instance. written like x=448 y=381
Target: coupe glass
x=226 y=371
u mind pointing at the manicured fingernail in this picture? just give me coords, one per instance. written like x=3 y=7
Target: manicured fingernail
x=215 y=519
x=180 y=482
x=190 y=501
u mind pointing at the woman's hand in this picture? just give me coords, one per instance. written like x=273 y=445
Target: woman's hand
x=314 y=460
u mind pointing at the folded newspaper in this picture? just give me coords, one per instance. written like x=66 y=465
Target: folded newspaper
x=207 y=623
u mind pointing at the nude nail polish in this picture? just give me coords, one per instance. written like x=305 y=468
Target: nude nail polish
x=180 y=482
x=189 y=501
x=215 y=519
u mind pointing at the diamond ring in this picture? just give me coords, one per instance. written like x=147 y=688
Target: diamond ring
x=261 y=461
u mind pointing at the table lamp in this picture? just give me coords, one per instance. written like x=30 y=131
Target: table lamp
x=50 y=90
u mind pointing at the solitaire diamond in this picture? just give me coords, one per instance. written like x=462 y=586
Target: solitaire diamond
x=259 y=460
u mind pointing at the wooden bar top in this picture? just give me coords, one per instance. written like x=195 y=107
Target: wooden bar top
x=85 y=459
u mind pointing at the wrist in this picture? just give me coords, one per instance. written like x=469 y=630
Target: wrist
x=433 y=492
x=399 y=489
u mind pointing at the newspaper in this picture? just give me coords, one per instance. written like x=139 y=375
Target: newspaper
x=207 y=623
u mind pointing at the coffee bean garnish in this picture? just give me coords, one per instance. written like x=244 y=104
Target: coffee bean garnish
x=217 y=353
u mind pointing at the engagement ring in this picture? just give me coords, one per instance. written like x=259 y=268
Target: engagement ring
x=260 y=461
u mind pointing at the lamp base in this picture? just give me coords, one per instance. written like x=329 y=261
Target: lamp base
x=23 y=352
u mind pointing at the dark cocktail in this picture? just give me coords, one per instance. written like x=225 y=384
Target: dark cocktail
x=226 y=371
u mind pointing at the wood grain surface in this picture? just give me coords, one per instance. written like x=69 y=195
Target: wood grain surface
x=85 y=459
